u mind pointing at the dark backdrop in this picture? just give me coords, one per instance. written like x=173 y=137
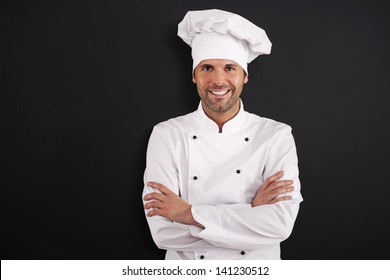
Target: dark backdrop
x=83 y=83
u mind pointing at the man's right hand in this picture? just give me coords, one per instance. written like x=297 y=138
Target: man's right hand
x=271 y=189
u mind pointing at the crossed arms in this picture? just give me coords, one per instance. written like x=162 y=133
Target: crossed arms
x=168 y=204
x=267 y=219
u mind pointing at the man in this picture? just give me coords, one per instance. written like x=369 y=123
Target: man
x=221 y=183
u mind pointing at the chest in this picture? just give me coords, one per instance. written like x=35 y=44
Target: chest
x=223 y=169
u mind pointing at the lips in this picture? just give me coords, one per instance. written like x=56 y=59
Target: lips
x=219 y=92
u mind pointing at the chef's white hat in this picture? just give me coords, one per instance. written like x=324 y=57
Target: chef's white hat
x=217 y=34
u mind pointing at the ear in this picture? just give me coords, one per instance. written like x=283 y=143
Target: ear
x=193 y=77
x=246 y=78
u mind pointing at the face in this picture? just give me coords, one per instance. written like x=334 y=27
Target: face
x=219 y=83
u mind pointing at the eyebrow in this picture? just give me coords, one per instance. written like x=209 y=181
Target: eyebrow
x=226 y=65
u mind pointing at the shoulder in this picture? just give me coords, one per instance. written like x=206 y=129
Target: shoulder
x=266 y=125
x=176 y=125
x=277 y=135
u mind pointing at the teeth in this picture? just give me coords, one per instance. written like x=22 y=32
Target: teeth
x=219 y=92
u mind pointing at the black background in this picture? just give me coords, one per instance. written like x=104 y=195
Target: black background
x=83 y=83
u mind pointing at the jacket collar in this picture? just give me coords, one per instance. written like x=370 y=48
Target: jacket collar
x=208 y=125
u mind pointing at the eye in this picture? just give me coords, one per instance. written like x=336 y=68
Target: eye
x=207 y=68
x=230 y=68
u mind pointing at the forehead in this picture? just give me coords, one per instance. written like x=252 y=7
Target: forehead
x=218 y=62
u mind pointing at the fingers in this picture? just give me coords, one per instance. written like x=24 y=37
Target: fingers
x=155 y=196
x=155 y=207
x=281 y=190
x=160 y=187
x=270 y=180
x=155 y=212
x=283 y=198
x=164 y=191
x=274 y=190
x=153 y=204
x=273 y=184
x=279 y=194
x=156 y=200
x=280 y=184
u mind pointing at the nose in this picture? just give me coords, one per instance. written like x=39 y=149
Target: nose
x=218 y=77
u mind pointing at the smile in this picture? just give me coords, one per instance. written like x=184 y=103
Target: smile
x=220 y=93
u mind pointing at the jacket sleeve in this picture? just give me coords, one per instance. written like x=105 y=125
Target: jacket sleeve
x=251 y=228
x=161 y=168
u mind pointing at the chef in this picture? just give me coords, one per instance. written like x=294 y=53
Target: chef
x=221 y=183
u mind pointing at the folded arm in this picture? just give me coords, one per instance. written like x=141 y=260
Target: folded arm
x=269 y=219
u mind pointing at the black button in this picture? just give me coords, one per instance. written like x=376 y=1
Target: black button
x=242 y=252
x=201 y=257
x=194 y=137
x=238 y=171
x=195 y=178
x=246 y=139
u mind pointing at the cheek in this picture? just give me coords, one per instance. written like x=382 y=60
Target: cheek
x=201 y=91
x=201 y=83
x=239 y=83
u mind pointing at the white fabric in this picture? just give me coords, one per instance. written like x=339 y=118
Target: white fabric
x=218 y=46
x=239 y=39
x=221 y=197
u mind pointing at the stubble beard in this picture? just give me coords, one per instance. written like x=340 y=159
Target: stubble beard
x=221 y=106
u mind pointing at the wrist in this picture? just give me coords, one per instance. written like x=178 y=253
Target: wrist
x=192 y=219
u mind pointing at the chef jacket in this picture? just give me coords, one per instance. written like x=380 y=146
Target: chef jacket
x=219 y=174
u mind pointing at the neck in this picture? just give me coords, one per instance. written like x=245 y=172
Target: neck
x=220 y=118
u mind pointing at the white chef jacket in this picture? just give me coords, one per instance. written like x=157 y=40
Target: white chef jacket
x=219 y=175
